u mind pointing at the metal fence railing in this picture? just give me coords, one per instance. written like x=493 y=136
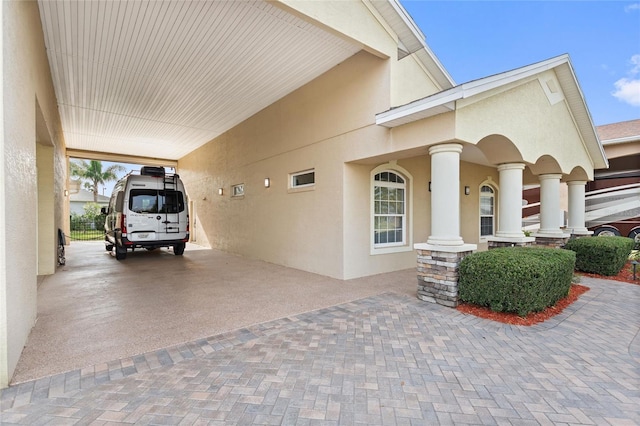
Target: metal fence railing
x=87 y=228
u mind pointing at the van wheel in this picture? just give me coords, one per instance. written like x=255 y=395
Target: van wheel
x=635 y=234
x=178 y=249
x=121 y=252
x=606 y=231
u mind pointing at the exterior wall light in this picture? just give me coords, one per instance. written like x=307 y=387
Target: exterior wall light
x=220 y=191
x=267 y=182
x=66 y=192
x=467 y=190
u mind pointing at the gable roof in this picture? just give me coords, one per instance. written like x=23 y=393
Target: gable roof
x=84 y=196
x=621 y=132
x=445 y=101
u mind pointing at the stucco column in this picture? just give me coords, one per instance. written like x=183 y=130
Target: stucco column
x=550 y=205
x=445 y=195
x=510 y=201
x=576 y=223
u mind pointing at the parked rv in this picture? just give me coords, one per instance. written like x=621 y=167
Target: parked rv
x=147 y=210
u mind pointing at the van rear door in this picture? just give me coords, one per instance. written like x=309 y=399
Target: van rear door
x=170 y=203
x=144 y=219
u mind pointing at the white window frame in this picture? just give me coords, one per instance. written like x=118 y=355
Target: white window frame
x=491 y=185
x=407 y=226
x=305 y=187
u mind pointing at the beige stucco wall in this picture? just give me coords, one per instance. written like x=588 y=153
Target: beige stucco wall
x=315 y=127
x=524 y=115
x=26 y=83
x=360 y=21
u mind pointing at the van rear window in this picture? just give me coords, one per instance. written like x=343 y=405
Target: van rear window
x=156 y=201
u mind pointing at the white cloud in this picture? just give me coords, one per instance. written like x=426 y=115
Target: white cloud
x=628 y=88
x=628 y=91
x=635 y=62
x=631 y=7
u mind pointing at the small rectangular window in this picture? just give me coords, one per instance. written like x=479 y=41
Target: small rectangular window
x=237 y=190
x=303 y=179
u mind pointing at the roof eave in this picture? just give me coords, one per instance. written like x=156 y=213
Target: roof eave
x=412 y=40
x=433 y=104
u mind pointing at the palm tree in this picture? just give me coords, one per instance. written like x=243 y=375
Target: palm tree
x=92 y=172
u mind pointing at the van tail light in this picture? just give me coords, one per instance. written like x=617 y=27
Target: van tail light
x=123 y=224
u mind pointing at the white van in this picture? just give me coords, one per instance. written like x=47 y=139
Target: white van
x=147 y=210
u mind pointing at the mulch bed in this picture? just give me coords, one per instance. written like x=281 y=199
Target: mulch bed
x=626 y=275
x=533 y=318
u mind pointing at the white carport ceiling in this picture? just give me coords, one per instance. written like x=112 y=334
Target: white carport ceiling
x=161 y=78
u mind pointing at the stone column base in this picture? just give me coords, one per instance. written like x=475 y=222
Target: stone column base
x=438 y=272
x=498 y=242
x=552 y=241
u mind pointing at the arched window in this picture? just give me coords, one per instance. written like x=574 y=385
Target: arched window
x=487 y=211
x=389 y=209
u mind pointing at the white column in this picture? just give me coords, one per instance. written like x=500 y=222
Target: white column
x=577 y=208
x=445 y=195
x=550 y=205
x=510 y=201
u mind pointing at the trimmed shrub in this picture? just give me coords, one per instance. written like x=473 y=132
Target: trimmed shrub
x=516 y=279
x=601 y=255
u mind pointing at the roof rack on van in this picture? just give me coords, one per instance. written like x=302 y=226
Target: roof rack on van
x=152 y=171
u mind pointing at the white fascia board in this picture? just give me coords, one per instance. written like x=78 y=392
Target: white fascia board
x=421 y=106
x=586 y=126
x=497 y=80
x=466 y=90
x=616 y=141
x=410 y=24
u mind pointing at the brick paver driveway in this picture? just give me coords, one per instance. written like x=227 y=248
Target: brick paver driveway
x=385 y=359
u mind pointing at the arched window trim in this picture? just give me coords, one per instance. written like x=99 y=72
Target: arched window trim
x=491 y=184
x=407 y=244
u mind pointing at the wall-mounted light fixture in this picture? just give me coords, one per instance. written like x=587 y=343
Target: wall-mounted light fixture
x=220 y=191
x=467 y=190
x=429 y=186
x=267 y=182
x=66 y=192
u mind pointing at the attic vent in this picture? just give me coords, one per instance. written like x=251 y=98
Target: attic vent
x=551 y=88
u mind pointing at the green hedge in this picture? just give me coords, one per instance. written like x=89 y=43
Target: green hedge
x=601 y=255
x=516 y=279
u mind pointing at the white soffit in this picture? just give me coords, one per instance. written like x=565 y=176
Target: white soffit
x=161 y=78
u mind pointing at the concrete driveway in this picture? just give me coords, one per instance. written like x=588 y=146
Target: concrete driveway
x=383 y=358
x=96 y=309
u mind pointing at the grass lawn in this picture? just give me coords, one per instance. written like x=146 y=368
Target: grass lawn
x=89 y=235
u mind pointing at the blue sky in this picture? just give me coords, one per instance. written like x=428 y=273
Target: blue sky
x=475 y=39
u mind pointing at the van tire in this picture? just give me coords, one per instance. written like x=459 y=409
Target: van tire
x=606 y=231
x=121 y=253
x=178 y=249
